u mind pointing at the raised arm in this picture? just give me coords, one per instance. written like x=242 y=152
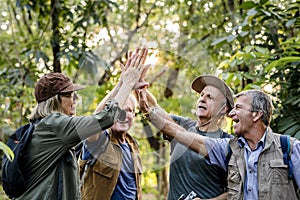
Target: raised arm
x=163 y=122
x=130 y=76
x=110 y=95
x=121 y=91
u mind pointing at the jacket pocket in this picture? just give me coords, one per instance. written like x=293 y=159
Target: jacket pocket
x=279 y=172
x=106 y=166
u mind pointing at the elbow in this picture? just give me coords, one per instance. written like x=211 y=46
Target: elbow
x=108 y=115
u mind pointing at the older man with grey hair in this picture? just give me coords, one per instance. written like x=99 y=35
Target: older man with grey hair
x=256 y=168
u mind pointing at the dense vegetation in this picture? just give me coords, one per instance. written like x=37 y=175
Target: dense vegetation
x=249 y=44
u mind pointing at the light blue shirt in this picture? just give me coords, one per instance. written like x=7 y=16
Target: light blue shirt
x=251 y=159
x=217 y=152
x=126 y=187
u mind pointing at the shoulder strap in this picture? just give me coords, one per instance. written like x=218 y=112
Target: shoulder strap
x=78 y=149
x=229 y=153
x=101 y=145
x=60 y=180
x=286 y=150
x=226 y=135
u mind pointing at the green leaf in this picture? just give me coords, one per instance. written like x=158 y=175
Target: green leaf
x=290 y=22
x=252 y=12
x=244 y=33
x=289 y=123
x=262 y=2
x=293 y=130
x=266 y=12
x=248 y=49
x=282 y=61
x=248 y=76
x=218 y=41
x=231 y=38
x=297 y=135
x=261 y=50
x=7 y=151
x=248 y=5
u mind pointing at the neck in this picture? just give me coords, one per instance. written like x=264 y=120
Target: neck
x=254 y=136
x=208 y=126
x=121 y=136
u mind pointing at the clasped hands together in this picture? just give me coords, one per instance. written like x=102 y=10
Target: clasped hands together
x=134 y=72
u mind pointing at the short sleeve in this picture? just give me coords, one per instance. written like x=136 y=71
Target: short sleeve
x=217 y=151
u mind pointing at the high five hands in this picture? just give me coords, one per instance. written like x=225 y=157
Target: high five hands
x=135 y=69
x=135 y=72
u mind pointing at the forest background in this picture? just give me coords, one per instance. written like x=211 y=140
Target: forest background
x=248 y=44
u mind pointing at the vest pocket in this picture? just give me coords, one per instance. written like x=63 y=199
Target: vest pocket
x=234 y=179
x=279 y=172
x=106 y=166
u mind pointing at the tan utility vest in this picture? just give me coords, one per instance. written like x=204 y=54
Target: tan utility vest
x=100 y=180
x=272 y=173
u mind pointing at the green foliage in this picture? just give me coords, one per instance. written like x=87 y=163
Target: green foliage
x=252 y=45
x=272 y=60
x=7 y=151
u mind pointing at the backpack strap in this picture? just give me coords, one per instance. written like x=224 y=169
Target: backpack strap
x=94 y=153
x=286 y=150
x=229 y=154
x=60 y=180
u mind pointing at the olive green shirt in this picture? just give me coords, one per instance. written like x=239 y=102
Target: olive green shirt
x=51 y=149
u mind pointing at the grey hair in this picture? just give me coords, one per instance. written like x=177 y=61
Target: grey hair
x=46 y=108
x=260 y=102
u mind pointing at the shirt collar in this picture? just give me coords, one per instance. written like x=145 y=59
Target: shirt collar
x=242 y=141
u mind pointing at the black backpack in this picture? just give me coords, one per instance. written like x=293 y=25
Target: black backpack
x=13 y=179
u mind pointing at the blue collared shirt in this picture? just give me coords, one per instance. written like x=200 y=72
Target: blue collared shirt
x=251 y=159
x=217 y=152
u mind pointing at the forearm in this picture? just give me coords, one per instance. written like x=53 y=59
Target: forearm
x=101 y=106
x=161 y=120
x=123 y=93
x=110 y=95
x=119 y=93
x=220 y=197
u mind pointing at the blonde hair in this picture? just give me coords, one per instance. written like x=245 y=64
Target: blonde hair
x=46 y=108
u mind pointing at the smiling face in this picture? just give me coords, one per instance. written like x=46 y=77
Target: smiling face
x=242 y=115
x=210 y=102
x=124 y=126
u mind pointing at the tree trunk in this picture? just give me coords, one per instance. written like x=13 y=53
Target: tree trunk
x=171 y=83
x=55 y=35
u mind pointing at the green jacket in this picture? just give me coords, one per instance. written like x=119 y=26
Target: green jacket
x=50 y=149
x=100 y=180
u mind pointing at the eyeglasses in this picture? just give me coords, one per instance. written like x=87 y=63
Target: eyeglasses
x=73 y=95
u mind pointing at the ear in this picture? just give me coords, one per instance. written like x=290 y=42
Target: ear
x=224 y=110
x=257 y=115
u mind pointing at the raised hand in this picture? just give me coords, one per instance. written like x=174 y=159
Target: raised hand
x=145 y=99
x=134 y=68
